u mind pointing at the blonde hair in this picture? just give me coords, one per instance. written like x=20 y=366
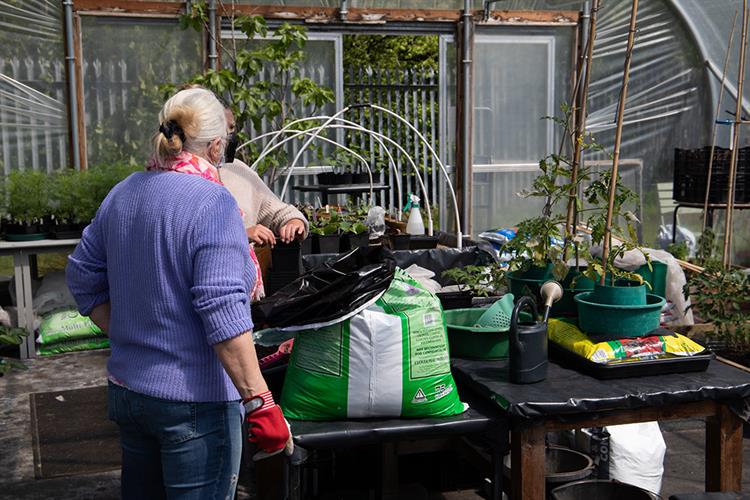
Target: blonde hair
x=189 y=121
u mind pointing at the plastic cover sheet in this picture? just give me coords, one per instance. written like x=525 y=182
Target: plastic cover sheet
x=566 y=393
x=122 y=72
x=33 y=115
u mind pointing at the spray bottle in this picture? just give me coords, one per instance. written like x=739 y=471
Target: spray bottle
x=414 y=225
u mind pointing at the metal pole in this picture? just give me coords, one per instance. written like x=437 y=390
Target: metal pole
x=606 y=244
x=70 y=59
x=727 y=257
x=581 y=121
x=213 y=58
x=467 y=114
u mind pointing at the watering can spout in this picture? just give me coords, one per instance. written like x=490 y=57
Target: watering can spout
x=551 y=292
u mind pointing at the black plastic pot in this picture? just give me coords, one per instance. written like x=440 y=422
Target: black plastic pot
x=398 y=241
x=419 y=242
x=334 y=179
x=326 y=244
x=287 y=257
x=307 y=245
x=326 y=178
x=66 y=231
x=455 y=300
x=24 y=232
x=350 y=241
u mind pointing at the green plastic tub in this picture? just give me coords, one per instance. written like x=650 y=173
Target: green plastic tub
x=523 y=284
x=656 y=277
x=623 y=293
x=468 y=341
x=620 y=321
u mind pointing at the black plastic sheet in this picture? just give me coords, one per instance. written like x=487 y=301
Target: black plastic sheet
x=568 y=394
x=330 y=291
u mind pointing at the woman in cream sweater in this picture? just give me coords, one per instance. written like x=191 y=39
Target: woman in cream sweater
x=265 y=216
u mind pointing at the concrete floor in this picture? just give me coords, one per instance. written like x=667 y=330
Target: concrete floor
x=683 y=467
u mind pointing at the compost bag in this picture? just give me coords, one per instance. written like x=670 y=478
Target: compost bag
x=330 y=291
x=388 y=360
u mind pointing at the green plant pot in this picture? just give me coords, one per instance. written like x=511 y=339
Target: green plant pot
x=469 y=341
x=656 y=277
x=528 y=282
x=617 y=320
x=566 y=306
x=623 y=293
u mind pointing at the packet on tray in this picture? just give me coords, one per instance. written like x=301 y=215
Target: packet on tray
x=570 y=337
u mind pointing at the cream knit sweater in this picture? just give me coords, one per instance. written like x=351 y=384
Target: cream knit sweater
x=259 y=204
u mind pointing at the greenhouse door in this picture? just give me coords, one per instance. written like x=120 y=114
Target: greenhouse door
x=521 y=76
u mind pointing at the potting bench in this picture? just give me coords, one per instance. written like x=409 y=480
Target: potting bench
x=21 y=252
x=568 y=399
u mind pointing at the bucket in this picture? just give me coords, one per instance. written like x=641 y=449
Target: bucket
x=469 y=341
x=600 y=489
x=562 y=465
x=656 y=277
x=624 y=293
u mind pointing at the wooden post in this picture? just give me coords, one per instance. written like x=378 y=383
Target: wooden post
x=580 y=121
x=716 y=119
x=527 y=462
x=618 y=139
x=727 y=257
x=724 y=451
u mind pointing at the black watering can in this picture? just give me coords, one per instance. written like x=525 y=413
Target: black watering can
x=528 y=339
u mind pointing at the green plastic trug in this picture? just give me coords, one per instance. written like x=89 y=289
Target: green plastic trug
x=625 y=294
x=621 y=321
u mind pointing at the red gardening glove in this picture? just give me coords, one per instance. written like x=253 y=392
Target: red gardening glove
x=268 y=429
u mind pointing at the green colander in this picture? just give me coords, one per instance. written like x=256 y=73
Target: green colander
x=497 y=316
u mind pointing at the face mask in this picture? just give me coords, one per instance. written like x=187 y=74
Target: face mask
x=231 y=149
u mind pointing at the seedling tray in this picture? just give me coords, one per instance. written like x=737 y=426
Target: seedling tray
x=626 y=369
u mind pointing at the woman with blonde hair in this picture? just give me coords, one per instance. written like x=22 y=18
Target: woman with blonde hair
x=165 y=269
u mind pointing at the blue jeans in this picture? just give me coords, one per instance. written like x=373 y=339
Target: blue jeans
x=176 y=450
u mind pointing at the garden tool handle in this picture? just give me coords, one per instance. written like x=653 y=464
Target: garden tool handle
x=523 y=301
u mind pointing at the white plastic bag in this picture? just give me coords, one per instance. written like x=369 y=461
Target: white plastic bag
x=636 y=454
x=376 y=222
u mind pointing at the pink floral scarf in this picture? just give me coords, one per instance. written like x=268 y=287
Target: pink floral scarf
x=188 y=163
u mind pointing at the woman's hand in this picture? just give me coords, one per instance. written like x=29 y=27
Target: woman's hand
x=261 y=235
x=292 y=230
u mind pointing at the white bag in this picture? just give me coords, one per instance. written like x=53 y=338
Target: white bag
x=636 y=454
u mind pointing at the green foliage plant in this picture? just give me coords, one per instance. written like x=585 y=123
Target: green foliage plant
x=481 y=281
x=253 y=100
x=26 y=196
x=11 y=336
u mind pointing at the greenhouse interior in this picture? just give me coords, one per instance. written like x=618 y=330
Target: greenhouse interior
x=353 y=249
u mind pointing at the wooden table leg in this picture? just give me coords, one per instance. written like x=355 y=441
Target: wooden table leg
x=724 y=451
x=527 y=461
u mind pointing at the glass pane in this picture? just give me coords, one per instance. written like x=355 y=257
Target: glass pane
x=124 y=62
x=33 y=109
x=521 y=75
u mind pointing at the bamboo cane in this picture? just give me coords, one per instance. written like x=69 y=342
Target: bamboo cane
x=716 y=119
x=618 y=139
x=727 y=258
x=580 y=128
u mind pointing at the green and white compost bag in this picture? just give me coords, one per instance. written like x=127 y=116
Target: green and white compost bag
x=388 y=360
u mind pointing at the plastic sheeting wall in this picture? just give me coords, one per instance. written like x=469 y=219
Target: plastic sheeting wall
x=33 y=115
x=124 y=62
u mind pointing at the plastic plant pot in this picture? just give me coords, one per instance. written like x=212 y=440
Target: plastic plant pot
x=65 y=231
x=326 y=178
x=362 y=178
x=24 y=232
x=351 y=241
x=623 y=293
x=421 y=242
x=469 y=341
x=327 y=243
x=455 y=300
x=656 y=277
x=342 y=179
x=566 y=306
x=286 y=257
x=601 y=489
x=398 y=241
x=528 y=282
x=616 y=320
x=307 y=246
